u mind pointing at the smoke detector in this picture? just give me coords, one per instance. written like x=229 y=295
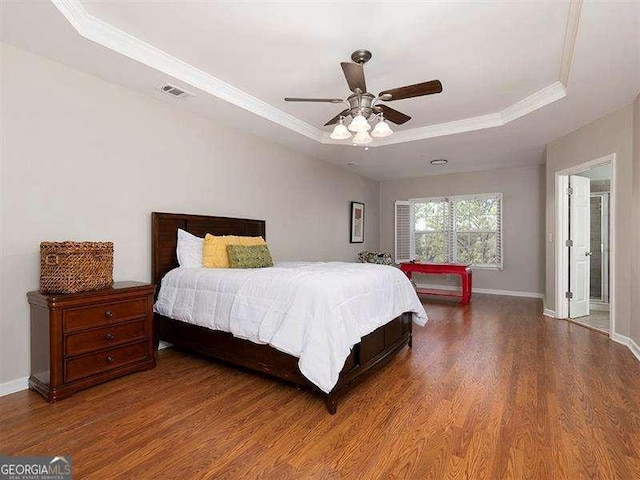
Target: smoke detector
x=439 y=161
x=175 y=92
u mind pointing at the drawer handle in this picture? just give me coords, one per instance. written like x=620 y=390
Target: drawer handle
x=108 y=314
x=110 y=359
x=110 y=336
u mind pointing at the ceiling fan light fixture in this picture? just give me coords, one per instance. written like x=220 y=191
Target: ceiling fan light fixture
x=381 y=129
x=363 y=105
x=362 y=138
x=340 y=132
x=359 y=124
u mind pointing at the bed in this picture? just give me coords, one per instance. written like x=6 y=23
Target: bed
x=373 y=350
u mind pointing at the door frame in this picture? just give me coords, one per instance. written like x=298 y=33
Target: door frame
x=562 y=235
x=604 y=260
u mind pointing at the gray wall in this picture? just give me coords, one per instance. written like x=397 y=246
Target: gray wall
x=523 y=217
x=84 y=159
x=634 y=330
x=612 y=133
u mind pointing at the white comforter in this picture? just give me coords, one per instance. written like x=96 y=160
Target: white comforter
x=314 y=311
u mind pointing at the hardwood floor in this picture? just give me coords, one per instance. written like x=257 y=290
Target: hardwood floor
x=493 y=390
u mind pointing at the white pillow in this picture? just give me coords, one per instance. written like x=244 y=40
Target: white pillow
x=189 y=250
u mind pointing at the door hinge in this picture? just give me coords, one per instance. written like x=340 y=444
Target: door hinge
x=569 y=243
x=568 y=295
x=570 y=190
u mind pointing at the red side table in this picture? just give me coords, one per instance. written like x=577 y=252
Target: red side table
x=462 y=269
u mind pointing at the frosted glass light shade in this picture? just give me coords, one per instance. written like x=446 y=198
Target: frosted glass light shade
x=340 y=132
x=362 y=138
x=381 y=130
x=359 y=124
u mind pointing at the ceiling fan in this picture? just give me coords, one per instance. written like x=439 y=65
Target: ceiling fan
x=362 y=104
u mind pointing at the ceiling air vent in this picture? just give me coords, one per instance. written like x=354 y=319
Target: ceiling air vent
x=176 y=92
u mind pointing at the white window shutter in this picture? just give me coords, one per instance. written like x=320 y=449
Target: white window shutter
x=450 y=221
x=403 y=231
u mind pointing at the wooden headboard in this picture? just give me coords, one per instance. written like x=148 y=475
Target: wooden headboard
x=164 y=235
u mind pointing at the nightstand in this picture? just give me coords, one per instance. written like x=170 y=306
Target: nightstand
x=81 y=339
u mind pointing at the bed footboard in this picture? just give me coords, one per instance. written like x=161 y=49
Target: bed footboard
x=373 y=351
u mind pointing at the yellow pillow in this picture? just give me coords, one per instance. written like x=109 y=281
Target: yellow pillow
x=214 y=249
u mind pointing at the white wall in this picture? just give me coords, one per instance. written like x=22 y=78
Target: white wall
x=523 y=220
x=84 y=159
x=612 y=133
x=634 y=327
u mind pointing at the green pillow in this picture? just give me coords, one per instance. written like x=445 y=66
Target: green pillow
x=249 y=256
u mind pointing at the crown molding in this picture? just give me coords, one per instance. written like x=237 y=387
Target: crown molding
x=105 y=34
x=570 y=36
x=431 y=131
x=108 y=36
x=541 y=98
x=534 y=102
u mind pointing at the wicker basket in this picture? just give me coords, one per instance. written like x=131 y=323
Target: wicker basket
x=70 y=267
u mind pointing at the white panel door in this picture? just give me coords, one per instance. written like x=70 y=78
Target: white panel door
x=579 y=254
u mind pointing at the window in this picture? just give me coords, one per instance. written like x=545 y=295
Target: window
x=451 y=229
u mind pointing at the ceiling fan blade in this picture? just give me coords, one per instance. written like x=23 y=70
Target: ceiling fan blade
x=325 y=100
x=335 y=119
x=354 y=73
x=393 y=115
x=417 y=90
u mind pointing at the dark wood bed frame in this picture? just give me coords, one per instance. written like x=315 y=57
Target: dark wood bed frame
x=372 y=351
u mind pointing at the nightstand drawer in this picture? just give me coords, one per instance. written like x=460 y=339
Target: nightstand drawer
x=81 y=339
x=88 y=365
x=99 y=338
x=105 y=314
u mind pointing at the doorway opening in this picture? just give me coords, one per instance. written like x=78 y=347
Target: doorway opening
x=585 y=231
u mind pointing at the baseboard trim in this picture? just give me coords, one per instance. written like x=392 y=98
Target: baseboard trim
x=20 y=384
x=635 y=349
x=488 y=291
x=549 y=313
x=13 y=386
x=628 y=342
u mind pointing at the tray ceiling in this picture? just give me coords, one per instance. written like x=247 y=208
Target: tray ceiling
x=488 y=55
x=498 y=62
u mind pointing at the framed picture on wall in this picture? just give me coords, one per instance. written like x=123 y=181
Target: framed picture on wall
x=357 y=222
